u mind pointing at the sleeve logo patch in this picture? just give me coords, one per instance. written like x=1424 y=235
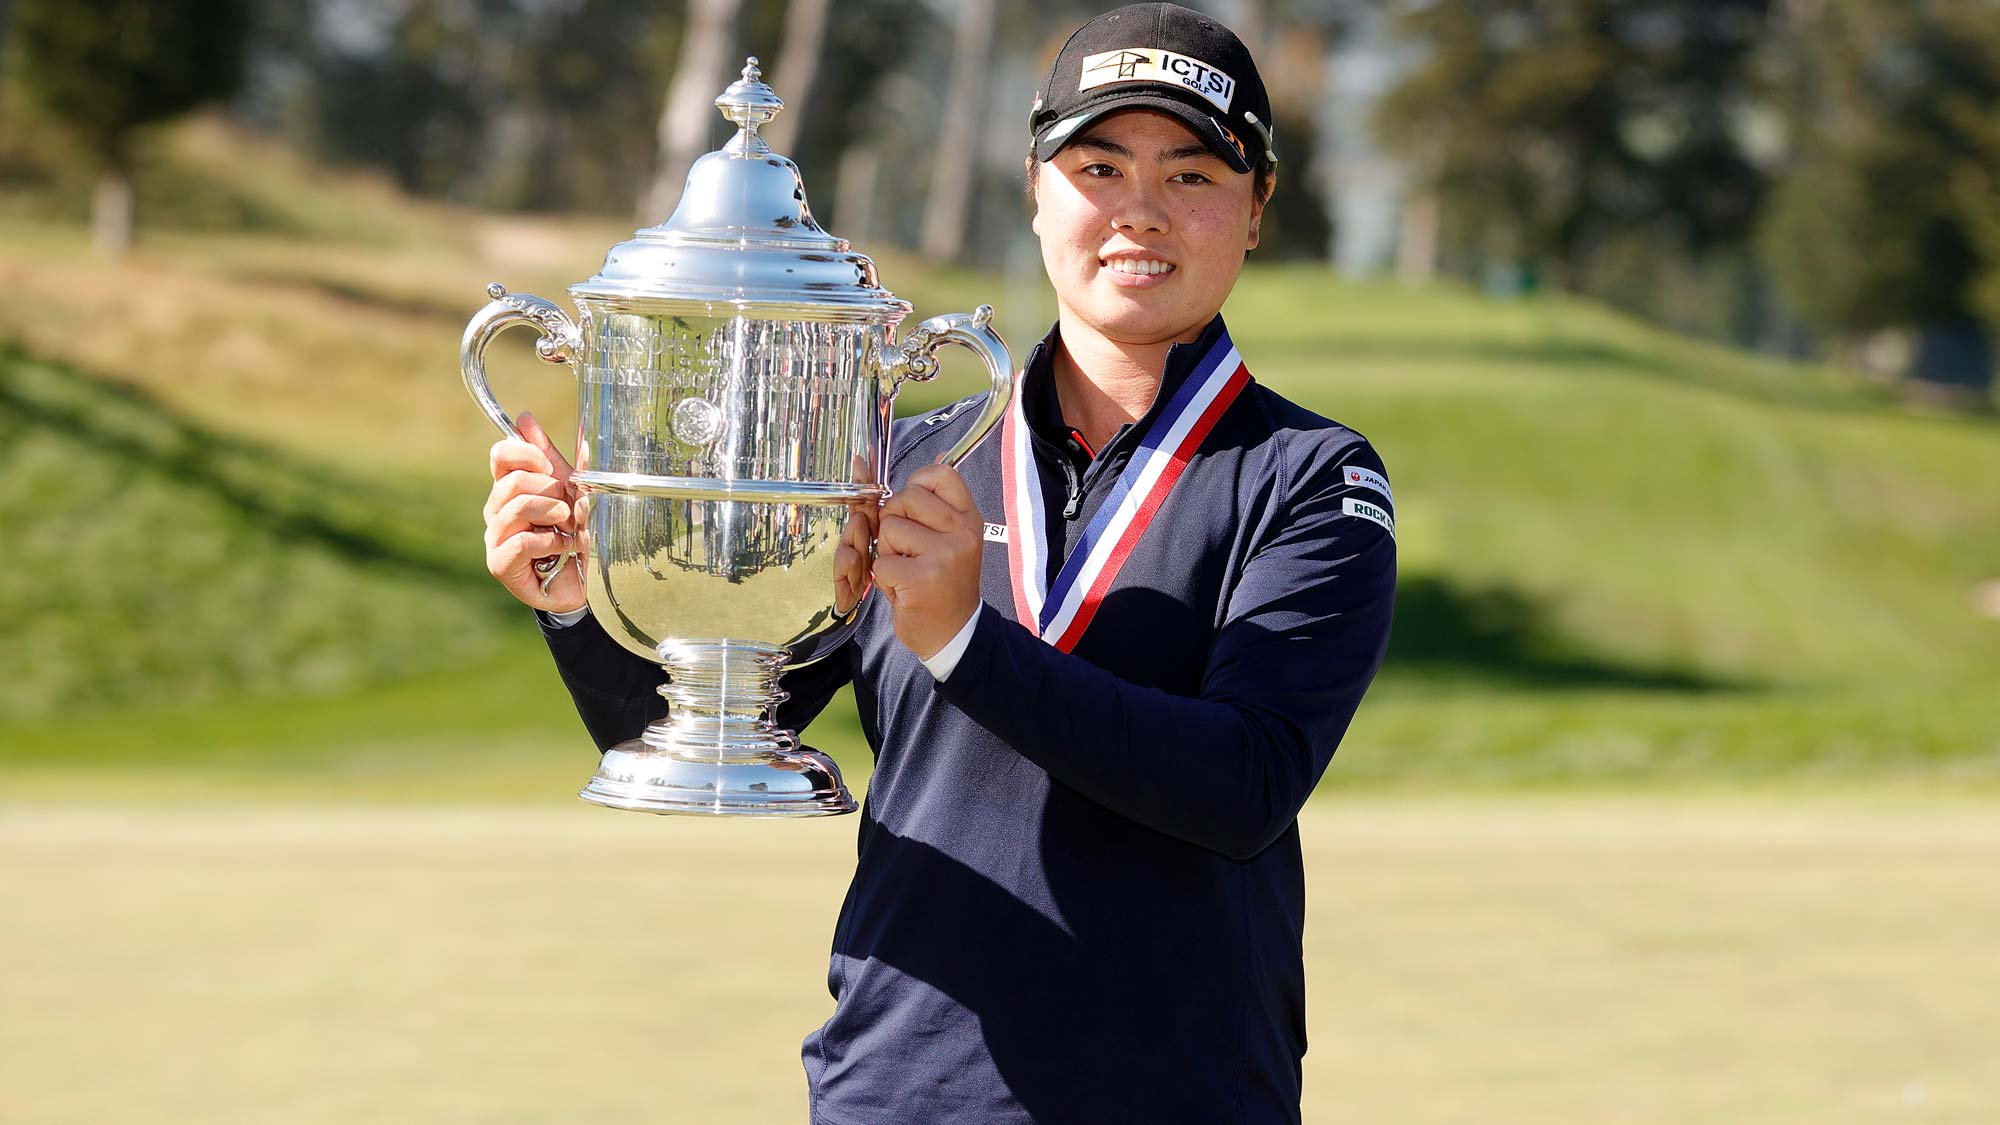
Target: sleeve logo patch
x=1368 y=478
x=996 y=533
x=1148 y=64
x=1367 y=511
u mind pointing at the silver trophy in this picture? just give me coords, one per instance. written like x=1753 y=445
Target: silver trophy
x=736 y=368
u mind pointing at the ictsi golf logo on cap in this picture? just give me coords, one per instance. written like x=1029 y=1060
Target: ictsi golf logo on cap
x=1148 y=64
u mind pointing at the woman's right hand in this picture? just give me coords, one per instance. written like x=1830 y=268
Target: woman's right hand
x=531 y=514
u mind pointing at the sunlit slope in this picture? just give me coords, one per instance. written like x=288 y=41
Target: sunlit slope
x=156 y=560
x=1623 y=553
x=1665 y=508
x=1627 y=554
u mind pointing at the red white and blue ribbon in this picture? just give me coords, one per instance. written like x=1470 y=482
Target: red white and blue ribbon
x=1061 y=612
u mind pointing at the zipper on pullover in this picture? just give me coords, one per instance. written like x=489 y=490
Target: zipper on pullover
x=1073 y=482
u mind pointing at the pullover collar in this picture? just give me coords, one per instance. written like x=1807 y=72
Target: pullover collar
x=1043 y=408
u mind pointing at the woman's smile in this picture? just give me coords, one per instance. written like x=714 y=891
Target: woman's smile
x=1136 y=271
x=1143 y=229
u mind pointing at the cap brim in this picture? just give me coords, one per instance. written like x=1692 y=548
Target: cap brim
x=1052 y=139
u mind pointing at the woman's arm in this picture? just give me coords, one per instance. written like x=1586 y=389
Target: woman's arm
x=1304 y=633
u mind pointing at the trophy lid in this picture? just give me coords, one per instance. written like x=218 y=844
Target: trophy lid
x=743 y=234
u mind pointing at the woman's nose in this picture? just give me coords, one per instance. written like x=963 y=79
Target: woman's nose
x=1142 y=208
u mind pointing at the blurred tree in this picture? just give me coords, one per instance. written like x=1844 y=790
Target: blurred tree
x=1544 y=127
x=577 y=105
x=1887 y=215
x=1291 y=45
x=523 y=104
x=955 y=153
x=414 y=100
x=855 y=122
x=707 y=64
x=106 y=69
x=798 y=64
x=1976 y=190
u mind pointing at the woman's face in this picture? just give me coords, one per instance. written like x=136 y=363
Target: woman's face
x=1143 y=229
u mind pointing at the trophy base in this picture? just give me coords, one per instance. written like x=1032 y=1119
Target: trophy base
x=637 y=777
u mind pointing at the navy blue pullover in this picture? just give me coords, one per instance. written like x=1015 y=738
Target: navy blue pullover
x=1079 y=894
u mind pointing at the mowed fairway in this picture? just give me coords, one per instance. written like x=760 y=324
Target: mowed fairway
x=1527 y=959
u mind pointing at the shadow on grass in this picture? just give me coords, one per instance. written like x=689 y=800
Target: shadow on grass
x=1502 y=636
x=290 y=498
x=1496 y=634
x=421 y=307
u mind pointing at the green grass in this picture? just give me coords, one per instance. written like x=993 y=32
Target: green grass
x=1559 y=960
x=1705 y=619
x=249 y=481
x=175 y=562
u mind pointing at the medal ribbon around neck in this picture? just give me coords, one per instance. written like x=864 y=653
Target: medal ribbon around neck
x=1060 y=613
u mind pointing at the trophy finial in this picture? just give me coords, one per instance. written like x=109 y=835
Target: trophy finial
x=747 y=101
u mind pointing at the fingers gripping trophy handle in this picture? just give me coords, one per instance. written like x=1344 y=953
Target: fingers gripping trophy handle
x=560 y=342
x=917 y=359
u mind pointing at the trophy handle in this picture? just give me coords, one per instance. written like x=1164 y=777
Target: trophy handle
x=916 y=358
x=560 y=342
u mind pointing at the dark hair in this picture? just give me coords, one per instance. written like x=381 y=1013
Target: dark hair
x=1260 y=182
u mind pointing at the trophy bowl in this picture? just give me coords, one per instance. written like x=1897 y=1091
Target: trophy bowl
x=736 y=374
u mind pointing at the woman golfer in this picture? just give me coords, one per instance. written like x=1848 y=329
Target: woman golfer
x=1103 y=663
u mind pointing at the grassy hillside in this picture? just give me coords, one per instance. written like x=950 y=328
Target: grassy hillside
x=250 y=473
x=173 y=561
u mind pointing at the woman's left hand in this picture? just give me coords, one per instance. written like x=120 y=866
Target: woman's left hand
x=928 y=558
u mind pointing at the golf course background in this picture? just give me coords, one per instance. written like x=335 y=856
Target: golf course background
x=246 y=464
x=1674 y=801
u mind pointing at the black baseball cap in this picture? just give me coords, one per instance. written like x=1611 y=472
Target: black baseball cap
x=1161 y=57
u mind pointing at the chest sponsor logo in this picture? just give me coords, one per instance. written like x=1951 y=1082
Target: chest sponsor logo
x=1368 y=511
x=996 y=533
x=1368 y=478
x=945 y=415
x=1147 y=64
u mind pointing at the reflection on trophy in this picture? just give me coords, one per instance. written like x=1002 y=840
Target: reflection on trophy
x=737 y=367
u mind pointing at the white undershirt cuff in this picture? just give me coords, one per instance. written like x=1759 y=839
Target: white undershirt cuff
x=945 y=659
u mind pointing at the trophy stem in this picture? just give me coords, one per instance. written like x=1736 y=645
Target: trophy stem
x=722 y=703
x=720 y=751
